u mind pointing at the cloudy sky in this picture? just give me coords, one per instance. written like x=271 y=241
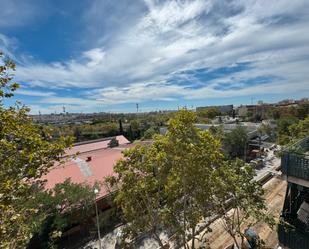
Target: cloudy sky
x=107 y=55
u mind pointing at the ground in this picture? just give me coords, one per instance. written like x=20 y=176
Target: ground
x=274 y=194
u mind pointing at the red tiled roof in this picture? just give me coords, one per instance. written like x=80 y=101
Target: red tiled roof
x=79 y=170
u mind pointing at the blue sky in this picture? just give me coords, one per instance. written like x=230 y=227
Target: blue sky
x=107 y=55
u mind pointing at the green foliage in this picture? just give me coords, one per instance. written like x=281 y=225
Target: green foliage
x=236 y=190
x=217 y=131
x=208 y=113
x=164 y=185
x=113 y=143
x=171 y=184
x=283 y=131
x=59 y=208
x=303 y=110
x=148 y=134
x=25 y=154
x=235 y=142
x=300 y=111
x=299 y=130
x=7 y=87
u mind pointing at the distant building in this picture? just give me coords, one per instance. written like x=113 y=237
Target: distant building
x=286 y=101
x=244 y=110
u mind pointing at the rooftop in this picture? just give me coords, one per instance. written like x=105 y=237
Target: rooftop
x=93 y=162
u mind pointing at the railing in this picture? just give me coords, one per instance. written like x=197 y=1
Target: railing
x=294 y=161
x=292 y=238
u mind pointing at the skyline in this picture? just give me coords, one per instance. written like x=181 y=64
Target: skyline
x=95 y=56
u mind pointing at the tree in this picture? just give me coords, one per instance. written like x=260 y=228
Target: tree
x=217 y=131
x=235 y=142
x=113 y=142
x=165 y=186
x=299 y=130
x=238 y=198
x=208 y=113
x=149 y=133
x=25 y=154
x=283 y=131
x=59 y=208
x=7 y=87
x=77 y=133
x=303 y=110
x=139 y=192
x=120 y=126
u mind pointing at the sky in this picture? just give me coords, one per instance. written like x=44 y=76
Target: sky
x=108 y=55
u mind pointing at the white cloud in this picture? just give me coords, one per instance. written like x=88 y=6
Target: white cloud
x=143 y=51
x=35 y=93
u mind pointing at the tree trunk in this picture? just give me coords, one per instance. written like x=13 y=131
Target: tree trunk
x=157 y=237
x=193 y=238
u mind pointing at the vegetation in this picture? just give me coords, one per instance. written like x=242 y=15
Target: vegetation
x=132 y=126
x=113 y=142
x=28 y=151
x=239 y=199
x=300 y=130
x=148 y=134
x=235 y=142
x=163 y=186
x=204 y=115
x=60 y=208
x=171 y=184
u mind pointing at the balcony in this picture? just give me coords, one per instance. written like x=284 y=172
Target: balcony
x=295 y=160
x=292 y=238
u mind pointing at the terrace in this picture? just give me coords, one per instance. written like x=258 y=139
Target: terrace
x=295 y=163
x=295 y=214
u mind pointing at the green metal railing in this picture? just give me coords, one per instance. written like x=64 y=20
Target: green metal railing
x=295 y=160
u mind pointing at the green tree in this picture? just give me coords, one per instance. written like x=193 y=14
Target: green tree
x=299 y=130
x=235 y=142
x=283 y=131
x=238 y=198
x=59 y=208
x=7 y=87
x=25 y=154
x=165 y=186
x=208 y=113
x=149 y=133
x=303 y=110
x=217 y=131
x=77 y=133
x=140 y=193
x=113 y=142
